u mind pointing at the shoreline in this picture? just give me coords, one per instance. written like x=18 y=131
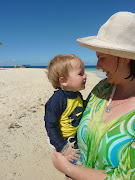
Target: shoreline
x=98 y=73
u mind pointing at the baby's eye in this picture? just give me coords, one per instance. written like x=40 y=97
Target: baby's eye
x=81 y=74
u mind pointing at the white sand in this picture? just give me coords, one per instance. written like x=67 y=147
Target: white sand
x=24 y=152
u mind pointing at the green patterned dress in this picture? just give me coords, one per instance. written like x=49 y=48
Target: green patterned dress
x=110 y=147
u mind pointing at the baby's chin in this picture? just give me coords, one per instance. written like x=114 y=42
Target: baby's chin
x=82 y=88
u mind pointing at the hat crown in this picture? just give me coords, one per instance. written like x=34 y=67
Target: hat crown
x=116 y=37
x=119 y=30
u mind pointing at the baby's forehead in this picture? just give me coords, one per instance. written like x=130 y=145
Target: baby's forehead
x=76 y=62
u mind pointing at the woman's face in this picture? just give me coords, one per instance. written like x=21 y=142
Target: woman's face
x=114 y=67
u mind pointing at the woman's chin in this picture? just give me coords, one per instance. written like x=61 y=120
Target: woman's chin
x=110 y=80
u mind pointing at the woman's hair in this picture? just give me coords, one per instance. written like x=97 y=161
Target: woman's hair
x=132 y=70
x=60 y=65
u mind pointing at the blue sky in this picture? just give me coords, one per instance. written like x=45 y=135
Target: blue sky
x=34 y=31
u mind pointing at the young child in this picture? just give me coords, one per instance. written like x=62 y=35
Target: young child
x=64 y=109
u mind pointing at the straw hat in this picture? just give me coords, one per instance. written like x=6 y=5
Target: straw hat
x=115 y=37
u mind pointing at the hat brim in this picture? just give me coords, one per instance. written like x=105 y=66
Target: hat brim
x=96 y=44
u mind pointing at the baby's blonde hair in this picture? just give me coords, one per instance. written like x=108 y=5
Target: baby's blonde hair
x=60 y=65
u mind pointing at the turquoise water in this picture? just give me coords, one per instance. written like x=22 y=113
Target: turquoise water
x=92 y=69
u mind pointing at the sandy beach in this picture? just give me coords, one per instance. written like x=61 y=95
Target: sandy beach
x=24 y=152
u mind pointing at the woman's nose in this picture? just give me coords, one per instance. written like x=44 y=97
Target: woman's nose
x=99 y=64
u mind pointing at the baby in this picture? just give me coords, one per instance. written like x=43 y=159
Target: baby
x=64 y=109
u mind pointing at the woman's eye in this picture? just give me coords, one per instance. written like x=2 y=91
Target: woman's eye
x=101 y=59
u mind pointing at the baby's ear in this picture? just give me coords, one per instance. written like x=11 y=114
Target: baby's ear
x=63 y=81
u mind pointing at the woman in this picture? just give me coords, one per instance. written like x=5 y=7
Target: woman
x=106 y=134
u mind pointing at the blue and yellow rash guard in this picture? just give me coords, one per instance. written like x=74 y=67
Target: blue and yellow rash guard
x=62 y=116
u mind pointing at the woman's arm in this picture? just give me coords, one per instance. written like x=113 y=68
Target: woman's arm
x=74 y=171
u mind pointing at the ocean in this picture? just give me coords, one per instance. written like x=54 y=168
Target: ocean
x=42 y=67
x=93 y=69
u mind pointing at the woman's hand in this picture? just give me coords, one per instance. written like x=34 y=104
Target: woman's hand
x=76 y=172
x=60 y=162
x=71 y=153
